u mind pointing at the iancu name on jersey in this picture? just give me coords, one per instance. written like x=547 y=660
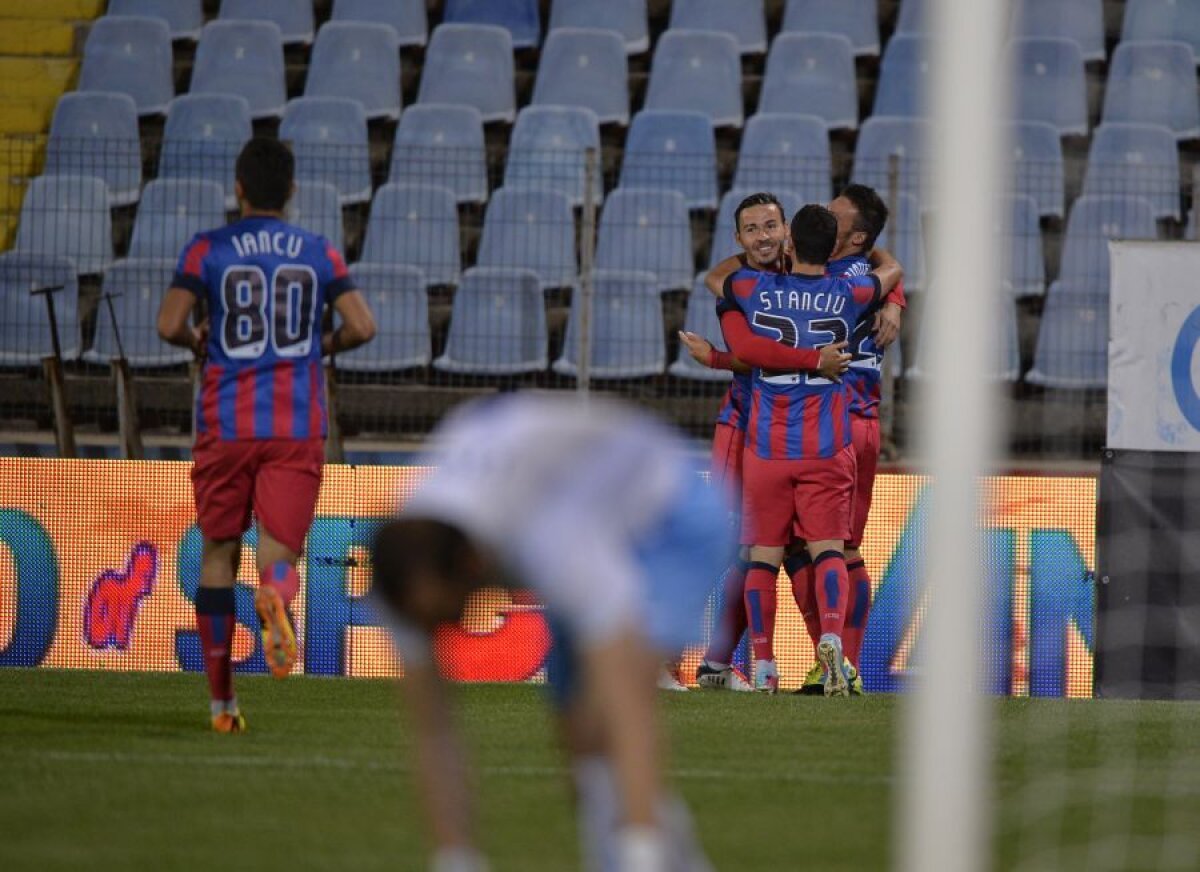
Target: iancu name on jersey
x=265 y=242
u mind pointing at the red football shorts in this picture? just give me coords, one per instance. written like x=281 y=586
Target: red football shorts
x=276 y=479
x=864 y=433
x=813 y=497
x=727 y=447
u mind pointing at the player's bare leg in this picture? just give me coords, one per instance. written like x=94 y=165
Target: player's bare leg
x=278 y=586
x=215 y=623
x=832 y=586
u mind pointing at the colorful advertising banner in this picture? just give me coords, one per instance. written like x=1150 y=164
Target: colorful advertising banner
x=100 y=563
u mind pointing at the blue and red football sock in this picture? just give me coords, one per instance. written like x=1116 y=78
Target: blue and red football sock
x=832 y=591
x=858 y=607
x=761 y=596
x=731 y=620
x=282 y=576
x=799 y=568
x=214 y=620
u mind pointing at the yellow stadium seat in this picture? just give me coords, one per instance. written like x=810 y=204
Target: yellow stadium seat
x=54 y=10
x=36 y=37
x=30 y=115
x=36 y=77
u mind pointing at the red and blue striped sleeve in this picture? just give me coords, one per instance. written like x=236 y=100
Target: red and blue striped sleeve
x=866 y=289
x=189 y=272
x=340 y=280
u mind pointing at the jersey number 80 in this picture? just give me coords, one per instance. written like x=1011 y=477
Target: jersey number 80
x=251 y=318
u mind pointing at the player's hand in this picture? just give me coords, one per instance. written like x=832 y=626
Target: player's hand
x=200 y=339
x=834 y=361
x=698 y=347
x=887 y=324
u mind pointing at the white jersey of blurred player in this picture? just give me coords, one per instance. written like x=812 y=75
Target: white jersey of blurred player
x=596 y=509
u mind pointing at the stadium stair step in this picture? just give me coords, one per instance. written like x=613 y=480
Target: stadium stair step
x=37 y=37
x=52 y=10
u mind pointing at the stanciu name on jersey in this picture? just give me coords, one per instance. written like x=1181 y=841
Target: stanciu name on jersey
x=832 y=304
x=264 y=242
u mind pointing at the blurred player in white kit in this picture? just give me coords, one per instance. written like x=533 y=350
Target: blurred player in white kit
x=596 y=509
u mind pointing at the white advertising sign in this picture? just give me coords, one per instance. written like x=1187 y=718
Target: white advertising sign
x=1154 y=347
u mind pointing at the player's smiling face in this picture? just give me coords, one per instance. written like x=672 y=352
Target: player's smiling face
x=762 y=233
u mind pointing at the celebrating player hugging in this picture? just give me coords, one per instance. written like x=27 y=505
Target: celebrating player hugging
x=798 y=431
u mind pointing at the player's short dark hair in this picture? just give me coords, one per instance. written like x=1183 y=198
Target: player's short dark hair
x=872 y=212
x=266 y=169
x=408 y=547
x=762 y=198
x=814 y=235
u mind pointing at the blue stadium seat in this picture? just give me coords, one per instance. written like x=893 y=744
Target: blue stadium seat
x=96 y=134
x=519 y=17
x=813 y=73
x=724 y=242
x=1024 y=266
x=746 y=21
x=406 y=17
x=136 y=287
x=415 y=225
x=627 y=17
x=647 y=230
x=1072 y=343
x=442 y=145
x=1051 y=84
x=396 y=295
x=1136 y=157
x=329 y=138
x=627 y=336
x=1163 y=19
x=672 y=151
x=697 y=71
x=497 y=325
x=24 y=321
x=1038 y=165
x=1094 y=220
x=172 y=211
x=358 y=61
x=245 y=59
x=585 y=68
x=912 y=18
x=67 y=216
x=857 y=20
x=701 y=319
x=317 y=208
x=904 y=236
x=786 y=151
x=202 y=138
x=1005 y=365
x=1154 y=83
x=471 y=65
x=533 y=230
x=1081 y=21
x=547 y=151
x=130 y=56
x=879 y=139
x=904 y=78
x=293 y=17
x=184 y=18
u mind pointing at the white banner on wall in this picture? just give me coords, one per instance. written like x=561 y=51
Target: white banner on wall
x=1154 y=347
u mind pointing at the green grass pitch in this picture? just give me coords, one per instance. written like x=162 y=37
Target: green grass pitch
x=105 y=770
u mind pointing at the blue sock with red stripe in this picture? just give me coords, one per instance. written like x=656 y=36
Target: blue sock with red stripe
x=761 y=595
x=832 y=587
x=857 y=609
x=282 y=576
x=731 y=620
x=214 y=620
x=799 y=568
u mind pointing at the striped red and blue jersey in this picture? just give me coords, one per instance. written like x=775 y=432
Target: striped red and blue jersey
x=735 y=407
x=799 y=415
x=864 y=378
x=266 y=284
